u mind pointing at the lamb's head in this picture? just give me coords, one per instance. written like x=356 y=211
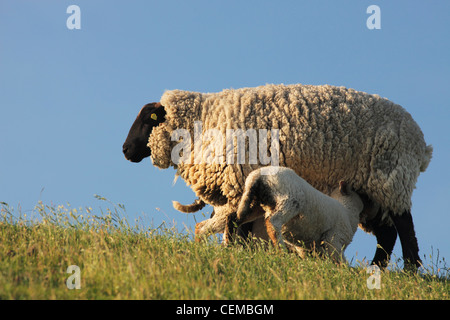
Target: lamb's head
x=348 y=198
x=135 y=147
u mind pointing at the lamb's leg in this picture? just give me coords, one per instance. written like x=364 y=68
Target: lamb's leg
x=333 y=248
x=198 y=230
x=386 y=237
x=274 y=222
x=405 y=228
x=215 y=224
x=231 y=229
x=334 y=254
x=274 y=232
x=236 y=229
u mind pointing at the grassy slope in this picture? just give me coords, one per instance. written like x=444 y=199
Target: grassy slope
x=121 y=262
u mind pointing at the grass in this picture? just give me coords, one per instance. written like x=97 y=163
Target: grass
x=122 y=261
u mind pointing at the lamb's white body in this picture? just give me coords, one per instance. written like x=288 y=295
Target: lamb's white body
x=307 y=215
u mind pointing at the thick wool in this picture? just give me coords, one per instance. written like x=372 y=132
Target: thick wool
x=327 y=134
x=293 y=206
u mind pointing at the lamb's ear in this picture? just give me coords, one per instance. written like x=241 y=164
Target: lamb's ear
x=343 y=188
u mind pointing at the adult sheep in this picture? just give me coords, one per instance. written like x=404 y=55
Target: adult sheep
x=381 y=148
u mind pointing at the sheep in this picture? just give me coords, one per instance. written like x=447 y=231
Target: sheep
x=381 y=149
x=307 y=215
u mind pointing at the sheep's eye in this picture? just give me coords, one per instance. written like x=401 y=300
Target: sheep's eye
x=153 y=116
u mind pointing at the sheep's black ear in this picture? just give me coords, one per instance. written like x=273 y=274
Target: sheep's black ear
x=154 y=114
x=343 y=188
x=159 y=114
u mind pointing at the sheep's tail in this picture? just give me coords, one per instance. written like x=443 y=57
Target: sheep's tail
x=426 y=158
x=194 y=207
x=252 y=184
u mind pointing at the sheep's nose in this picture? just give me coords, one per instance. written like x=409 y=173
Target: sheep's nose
x=125 y=148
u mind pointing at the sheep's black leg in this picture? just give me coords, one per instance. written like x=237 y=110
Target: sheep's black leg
x=410 y=248
x=386 y=237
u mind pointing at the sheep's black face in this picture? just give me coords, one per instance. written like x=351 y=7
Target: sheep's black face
x=135 y=147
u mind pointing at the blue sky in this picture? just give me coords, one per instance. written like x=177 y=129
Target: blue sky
x=69 y=97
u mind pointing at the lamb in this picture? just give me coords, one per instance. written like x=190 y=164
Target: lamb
x=381 y=149
x=307 y=215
